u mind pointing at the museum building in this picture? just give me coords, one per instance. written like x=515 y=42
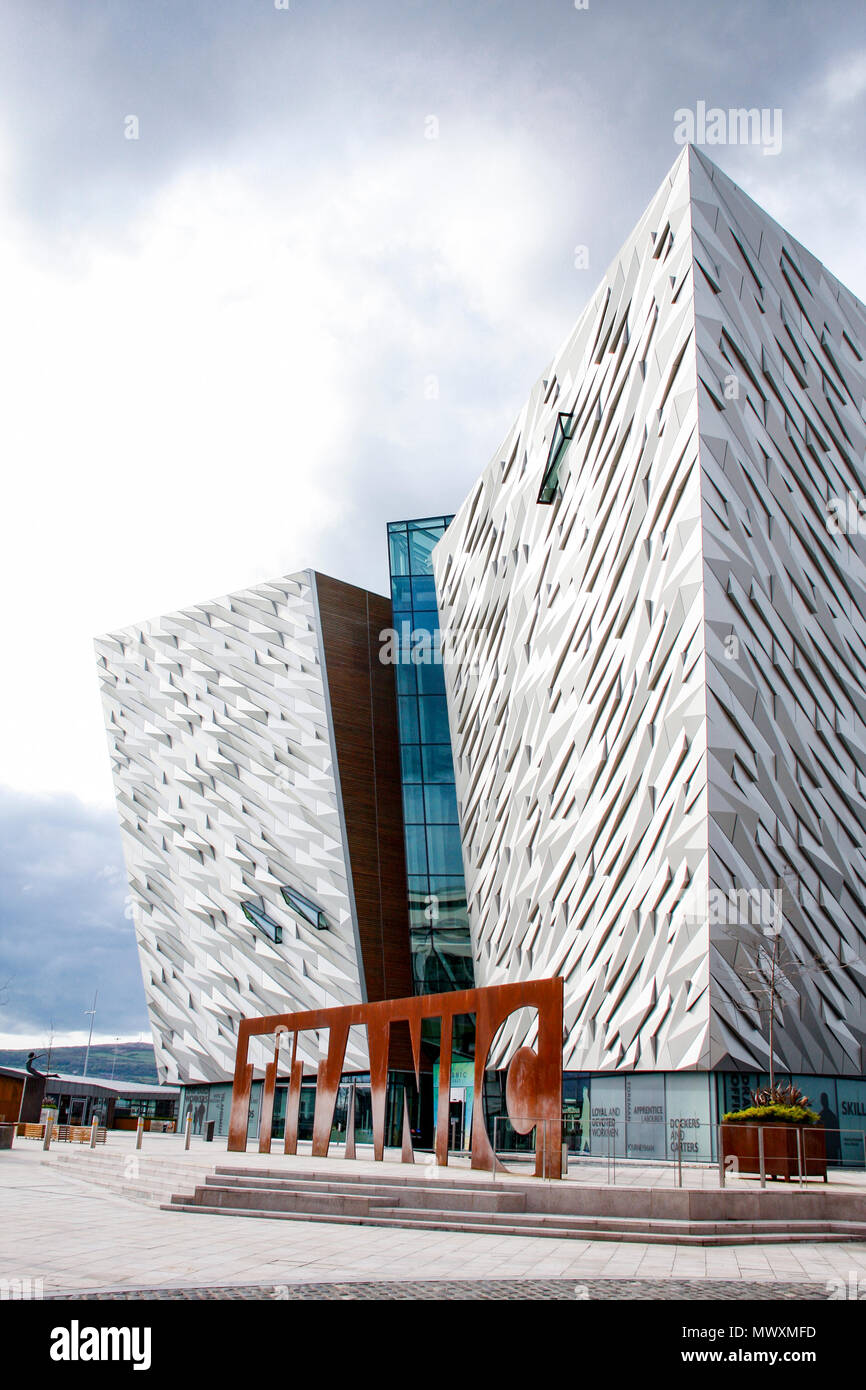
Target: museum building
x=609 y=726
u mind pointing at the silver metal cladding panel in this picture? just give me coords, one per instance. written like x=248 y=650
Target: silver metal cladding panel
x=782 y=394
x=658 y=687
x=221 y=751
x=576 y=676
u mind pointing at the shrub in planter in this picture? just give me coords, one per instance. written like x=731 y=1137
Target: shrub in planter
x=775 y=1114
x=792 y=1135
x=779 y=1095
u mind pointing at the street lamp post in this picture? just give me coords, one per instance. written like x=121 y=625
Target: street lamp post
x=92 y=1013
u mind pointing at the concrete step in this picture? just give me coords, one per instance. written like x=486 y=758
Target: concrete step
x=151 y=1183
x=96 y=1162
x=448 y=1200
x=454 y=1205
x=449 y=1222
x=410 y=1177
x=335 y=1204
x=536 y=1222
x=439 y=1196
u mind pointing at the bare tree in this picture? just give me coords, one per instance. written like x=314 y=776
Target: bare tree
x=773 y=981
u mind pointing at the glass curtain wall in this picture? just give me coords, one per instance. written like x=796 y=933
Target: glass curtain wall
x=439 y=922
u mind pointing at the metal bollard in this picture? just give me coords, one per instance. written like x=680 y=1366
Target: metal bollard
x=49 y=1128
x=800 y=1153
x=721 y=1149
x=679 y=1153
x=94 y=1132
x=761 y=1167
x=139 y=1131
x=187 y=1129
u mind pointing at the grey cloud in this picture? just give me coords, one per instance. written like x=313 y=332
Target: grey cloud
x=217 y=80
x=324 y=92
x=63 y=932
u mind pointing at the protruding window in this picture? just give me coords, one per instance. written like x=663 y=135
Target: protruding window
x=562 y=433
x=308 y=912
x=260 y=918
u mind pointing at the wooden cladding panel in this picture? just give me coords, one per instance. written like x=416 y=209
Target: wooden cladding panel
x=363 y=701
x=10 y=1098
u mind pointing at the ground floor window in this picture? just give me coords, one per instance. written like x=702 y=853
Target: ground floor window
x=649 y=1116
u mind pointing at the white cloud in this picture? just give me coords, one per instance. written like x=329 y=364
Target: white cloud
x=39 y=1042
x=817 y=192
x=845 y=81
x=185 y=410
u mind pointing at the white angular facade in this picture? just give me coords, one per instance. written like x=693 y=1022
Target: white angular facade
x=658 y=697
x=222 y=748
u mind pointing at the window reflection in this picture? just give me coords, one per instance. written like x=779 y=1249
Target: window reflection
x=438 y=917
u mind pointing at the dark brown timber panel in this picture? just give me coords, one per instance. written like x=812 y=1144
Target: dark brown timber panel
x=364 y=711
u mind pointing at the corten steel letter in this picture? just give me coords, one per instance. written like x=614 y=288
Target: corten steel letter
x=408 y=1154
x=293 y=1102
x=379 y=1021
x=534 y=1084
x=266 y=1124
x=350 y=1124
x=378 y=1037
x=243 y=1082
x=327 y=1085
x=444 y=1112
x=540 y=1094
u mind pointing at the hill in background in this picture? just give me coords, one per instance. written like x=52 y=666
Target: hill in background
x=111 y=1061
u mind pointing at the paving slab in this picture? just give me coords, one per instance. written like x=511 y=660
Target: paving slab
x=74 y=1236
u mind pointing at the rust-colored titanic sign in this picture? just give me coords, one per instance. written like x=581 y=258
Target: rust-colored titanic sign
x=533 y=1090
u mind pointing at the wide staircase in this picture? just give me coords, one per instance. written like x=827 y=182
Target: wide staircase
x=563 y=1209
x=142 y=1177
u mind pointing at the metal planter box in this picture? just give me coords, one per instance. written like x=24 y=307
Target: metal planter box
x=788 y=1149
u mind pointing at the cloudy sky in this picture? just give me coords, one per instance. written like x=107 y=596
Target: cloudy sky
x=272 y=276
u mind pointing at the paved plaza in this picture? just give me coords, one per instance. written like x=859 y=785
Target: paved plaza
x=76 y=1237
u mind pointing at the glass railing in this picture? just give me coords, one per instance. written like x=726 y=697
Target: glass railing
x=682 y=1152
